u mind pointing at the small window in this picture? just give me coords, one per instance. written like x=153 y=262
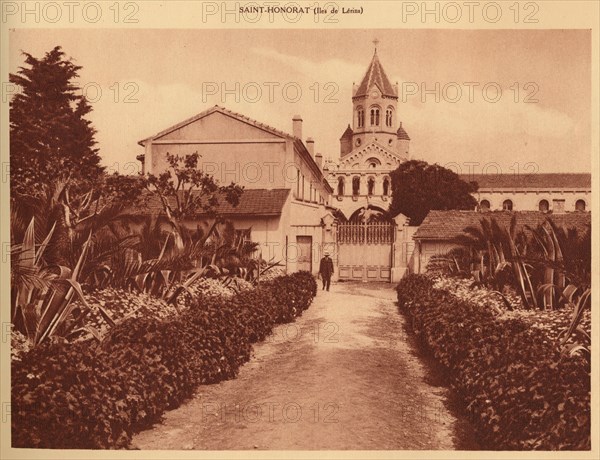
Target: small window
x=356 y=185
x=507 y=205
x=580 y=205
x=341 y=184
x=386 y=186
x=558 y=205
x=544 y=206
x=242 y=234
x=371 y=185
x=484 y=205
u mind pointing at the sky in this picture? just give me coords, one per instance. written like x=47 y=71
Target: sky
x=143 y=81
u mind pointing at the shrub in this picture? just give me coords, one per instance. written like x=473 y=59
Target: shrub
x=18 y=345
x=120 y=305
x=96 y=395
x=520 y=390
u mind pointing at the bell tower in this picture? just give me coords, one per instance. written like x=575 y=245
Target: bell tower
x=375 y=112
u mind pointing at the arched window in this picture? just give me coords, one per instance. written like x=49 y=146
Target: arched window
x=386 y=186
x=371 y=186
x=484 y=205
x=388 y=117
x=356 y=185
x=340 y=187
x=507 y=205
x=544 y=206
x=375 y=116
x=360 y=117
x=580 y=205
x=372 y=163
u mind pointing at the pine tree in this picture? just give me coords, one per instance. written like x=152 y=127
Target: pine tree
x=50 y=138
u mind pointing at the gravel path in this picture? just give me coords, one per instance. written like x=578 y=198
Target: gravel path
x=343 y=376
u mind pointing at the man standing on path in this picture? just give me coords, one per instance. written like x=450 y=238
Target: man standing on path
x=326 y=270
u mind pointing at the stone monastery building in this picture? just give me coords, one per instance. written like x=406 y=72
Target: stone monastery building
x=297 y=208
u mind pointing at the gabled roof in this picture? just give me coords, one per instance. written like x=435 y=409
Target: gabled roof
x=348 y=133
x=253 y=202
x=402 y=134
x=364 y=149
x=375 y=76
x=223 y=110
x=448 y=225
x=538 y=181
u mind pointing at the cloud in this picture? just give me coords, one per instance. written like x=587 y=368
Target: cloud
x=336 y=70
x=481 y=118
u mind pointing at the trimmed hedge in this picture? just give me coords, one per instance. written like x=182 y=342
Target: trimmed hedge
x=89 y=395
x=521 y=393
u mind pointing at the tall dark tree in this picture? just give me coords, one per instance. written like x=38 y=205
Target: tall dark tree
x=418 y=187
x=50 y=138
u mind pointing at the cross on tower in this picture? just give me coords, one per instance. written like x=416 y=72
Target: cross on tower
x=376 y=42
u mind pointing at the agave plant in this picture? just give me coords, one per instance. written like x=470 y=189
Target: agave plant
x=582 y=342
x=41 y=294
x=554 y=280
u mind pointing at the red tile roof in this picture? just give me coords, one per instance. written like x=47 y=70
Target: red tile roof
x=253 y=202
x=552 y=181
x=375 y=75
x=447 y=225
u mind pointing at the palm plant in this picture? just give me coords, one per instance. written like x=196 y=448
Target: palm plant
x=562 y=258
x=546 y=267
x=500 y=257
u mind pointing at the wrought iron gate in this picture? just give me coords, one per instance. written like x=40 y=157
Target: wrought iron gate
x=365 y=250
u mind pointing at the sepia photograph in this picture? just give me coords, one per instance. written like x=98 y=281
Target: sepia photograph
x=287 y=229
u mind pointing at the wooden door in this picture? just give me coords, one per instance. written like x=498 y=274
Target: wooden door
x=304 y=245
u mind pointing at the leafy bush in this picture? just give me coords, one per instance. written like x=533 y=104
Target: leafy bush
x=272 y=273
x=471 y=290
x=18 y=345
x=520 y=390
x=97 y=394
x=119 y=305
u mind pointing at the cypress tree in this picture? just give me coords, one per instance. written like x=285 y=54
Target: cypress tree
x=50 y=138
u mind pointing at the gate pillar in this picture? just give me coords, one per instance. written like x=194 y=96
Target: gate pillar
x=399 y=249
x=329 y=242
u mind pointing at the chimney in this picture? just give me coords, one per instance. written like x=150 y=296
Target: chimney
x=297 y=126
x=319 y=160
x=310 y=146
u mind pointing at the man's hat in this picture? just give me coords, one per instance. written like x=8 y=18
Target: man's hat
x=326 y=253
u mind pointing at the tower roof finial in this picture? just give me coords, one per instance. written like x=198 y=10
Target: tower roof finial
x=376 y=42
